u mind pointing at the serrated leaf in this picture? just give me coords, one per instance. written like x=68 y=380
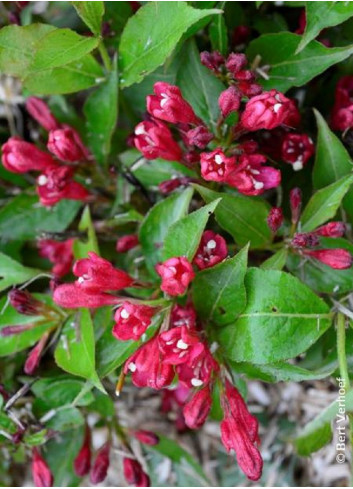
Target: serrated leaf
x=324 y=204
x=242 y=217
x=219 y=293
x=145 y=44
x=287 y=69
x=184 y=236
x=282 y=319
x=91 y=13
x=82 y=247
x=13 y=273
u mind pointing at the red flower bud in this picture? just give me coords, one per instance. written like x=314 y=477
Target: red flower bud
x=342 y=118
x=275 y=219
x=215 y=166
x=154 y=140
x=295 y=200
x=100 y=465
x=18 y=156
x=33 y=358
x=176 y=275
x=127 y=242
x=146 y=437
x=236 y=62
x=72 y=296
x=42 y=477
x=265 y=111
x=297 y=149
x=200 y=137
x=336 y=258
x=40 y=111
x=169 y=186
x=15 y=329
x=212 y=250
x=67 y=145
x=335 y=229
x=305 y=240
x=198 y=408
x=229 y=101
x=134 y=474
x=59 y=253
x=169 y=105
x=132 y=320
x=213 y=61
x=82 y=462
x=25 y=303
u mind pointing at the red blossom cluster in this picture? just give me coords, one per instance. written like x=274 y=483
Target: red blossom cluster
x=342 y=111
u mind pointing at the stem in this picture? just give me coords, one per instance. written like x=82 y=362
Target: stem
x=105 y=56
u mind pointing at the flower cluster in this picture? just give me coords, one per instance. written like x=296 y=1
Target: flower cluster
x=342 y=111
x=55 y=180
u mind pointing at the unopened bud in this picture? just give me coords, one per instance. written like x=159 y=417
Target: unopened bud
x=275 y=219
x=295 y=199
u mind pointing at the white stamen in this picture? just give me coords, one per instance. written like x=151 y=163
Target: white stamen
x=276 y=108
x=80 y=280
x=218 y=159
x=163 y=102
x=124 y=314
x=42 y=180
x=258 y=185
x=140 y=129
x=132 y=367
x=297 y=165
x=172 y=269
x=196 y=382
x=211 y=245
x=182 y=345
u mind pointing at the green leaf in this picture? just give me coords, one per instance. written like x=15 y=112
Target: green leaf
x=101 y=111
x=318 y=432
x=91 y=13
x=35 y=439
x=75 y=352
x=151 y=35
x=24 y=218
x=60 y=390
x=82 y=247
x=320 y=15
x=13 y=273
x=65 y=418
x=183 y=237
x=21 y=341
x=332 y=161
x=218 y=35
x=198 y=85
x=219 y=293
x=287 y=69
x=242 y=217
x=324 y=204
x=156 y=223
x=276 y=261
x=73 y=77
x=283 y=318
x=59 y=48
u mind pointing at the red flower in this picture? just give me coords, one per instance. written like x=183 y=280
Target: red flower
x=265 y=111
x=229 y=101
x=180 y=345
x=59 y=253
x=97 y=274
x=40 y=111
x=18 y=156
x=342 y=118
x=337 y=258
x=297 y=149
x=183 y=316
x=305 y=240
x=127 y=242
x=212 y=250
x=342 y=111
x=200 y=136
x=33 y=358
x=134 y=474
x=101 y=464
x=82 y=462
x=147 y=367
x=146 y=437
x=72 y=296
x=213 y=61
x=215 y=166
x=199 y=371
x=176 y=275
x=275 y=219
x=293 y=117
x=66 y=144
x=154 y=140
x=168 y=104
x=42 y=477
x=197 y=409
x=236 y=62
x=132 y=320
x=57 y=184
x=334 y=229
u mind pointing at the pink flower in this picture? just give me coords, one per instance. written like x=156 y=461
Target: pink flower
x=42 y=476
x=101 y=464
x=66 y=144
x=215 y=166
x=200 y=136
x=236 y=62
x=251 y=177
x=180 y=345
x=212 y=250
x=146 y=437
x=18 y=156
x=183 y=316
x=169 y=105
x=297 y=149
x=73 y=296
x=82 y=462
x=147 y=367
x=275 y=219
x=229 y=101
x=57 y=184
x=197 y=409
x=213 y=61
x=59 y=253
x=336 y=258
x=40 y=111
x=265 y=111
x=134 y=473
x=127 y=242
x=199 y=371
x=34 y=356
x=132 y=320
x=334 y=229
x=295 y=200
x=154 y=140
x=176 y=275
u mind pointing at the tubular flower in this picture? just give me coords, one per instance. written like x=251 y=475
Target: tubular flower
x=72 y=296
x=132 y=320
x=18 y=156
x=197 y=409
x=180 y=345
x=34 y=356
x=168 y=104
x=127 y=242
x=57 y=183
x=40 y=111
x=82 y=462
x=146 y=437
x=66 y=144
x=154 y=140
x=176 y=275
x=265 y=111
x=297 y=149
x=134 y=473
x=212 y=250
x=215 y=166
x=100 y=465
x=199 y=371
x=337 y=258
x=42 y=476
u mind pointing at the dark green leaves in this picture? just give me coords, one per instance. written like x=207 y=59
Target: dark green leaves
x=146 y=43
x=218 y=35
x=91 y=13
x=242 y=217
x=219 y=293
x=184 y=236
x=287 y=69
x=198 y=85
x=283 y=318
x=13 y=273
